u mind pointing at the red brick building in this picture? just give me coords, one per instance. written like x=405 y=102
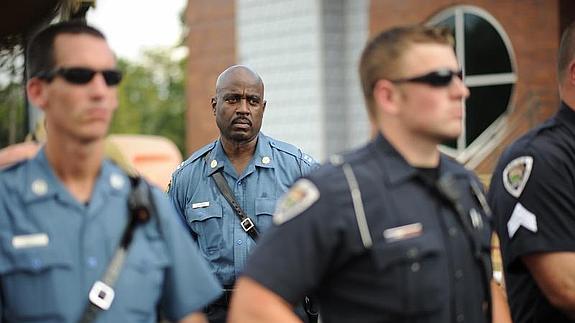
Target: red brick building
x=507 y=48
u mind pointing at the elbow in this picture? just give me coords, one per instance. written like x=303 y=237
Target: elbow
x=563 y=299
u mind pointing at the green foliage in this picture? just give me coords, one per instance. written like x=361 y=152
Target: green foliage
x=12 y=112
x=152 y=97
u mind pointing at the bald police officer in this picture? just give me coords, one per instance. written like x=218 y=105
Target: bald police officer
x=256 y=169
x=72 y=249
x=394 y=231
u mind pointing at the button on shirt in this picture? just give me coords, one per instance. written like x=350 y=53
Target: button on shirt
x=53 y=248
x=212 y=221
x=414 y=271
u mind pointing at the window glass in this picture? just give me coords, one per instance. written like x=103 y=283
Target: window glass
x=485 y=52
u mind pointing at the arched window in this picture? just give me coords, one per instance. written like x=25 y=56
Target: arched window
x=486 y=56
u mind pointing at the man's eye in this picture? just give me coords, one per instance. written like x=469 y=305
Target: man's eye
x=232 y=100
x=254 y=101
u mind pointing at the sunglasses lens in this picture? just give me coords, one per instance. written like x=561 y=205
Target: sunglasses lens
x=112 y=77
x=439 y=79
x=77 y=75
x=81 y=75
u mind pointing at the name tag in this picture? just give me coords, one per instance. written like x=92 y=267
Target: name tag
x=30 y=240
x=200 y=204
x=403 y=232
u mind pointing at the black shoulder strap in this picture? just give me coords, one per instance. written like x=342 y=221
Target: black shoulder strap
x=247 y=224
x=141 y=206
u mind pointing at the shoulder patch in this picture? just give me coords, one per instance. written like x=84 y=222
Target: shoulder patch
x=299 y=198
x=516 y=174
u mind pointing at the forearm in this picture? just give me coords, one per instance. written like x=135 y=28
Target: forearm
x=500 y=307
x=253 y=303
x=197 y=317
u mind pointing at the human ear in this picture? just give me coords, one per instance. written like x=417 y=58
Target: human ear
x=385 y=96
x=36 y=91
x=214 y=105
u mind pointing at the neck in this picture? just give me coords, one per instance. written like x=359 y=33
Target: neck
x=76 y=164
x=239 y=153
x=418 y=152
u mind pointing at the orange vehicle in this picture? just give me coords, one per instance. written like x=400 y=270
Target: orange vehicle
x=153 y=157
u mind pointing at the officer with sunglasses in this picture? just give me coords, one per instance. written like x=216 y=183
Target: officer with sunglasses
x=394 y=231
x=80 y=241
x=532 y=194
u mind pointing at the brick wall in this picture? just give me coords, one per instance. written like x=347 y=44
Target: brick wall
x=533 y=27
x=212 y=48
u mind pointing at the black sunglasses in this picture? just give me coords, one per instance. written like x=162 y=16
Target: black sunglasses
x=437 y=78
x=82 y=75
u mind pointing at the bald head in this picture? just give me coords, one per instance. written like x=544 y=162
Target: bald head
x=238 y=72
x=239 y=104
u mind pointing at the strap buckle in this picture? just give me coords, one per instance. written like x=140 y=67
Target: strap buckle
x=247 y=224
x=101 y=295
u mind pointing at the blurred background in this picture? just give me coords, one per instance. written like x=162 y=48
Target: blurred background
x=307 y=53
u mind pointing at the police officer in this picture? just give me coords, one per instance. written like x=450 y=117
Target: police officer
x=72 y=247
x=257 y=170
x=532 y=195
x=394 y=231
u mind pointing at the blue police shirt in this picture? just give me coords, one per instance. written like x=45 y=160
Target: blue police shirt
x=53 y=248
x=212 y=221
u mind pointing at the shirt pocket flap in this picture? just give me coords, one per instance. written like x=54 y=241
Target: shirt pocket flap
x=409 y=250
x=203 y=213
x=265 y=206
x=33 y=259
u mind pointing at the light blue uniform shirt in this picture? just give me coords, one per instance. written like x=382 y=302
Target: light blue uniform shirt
x=212 y=221
x=53 y=248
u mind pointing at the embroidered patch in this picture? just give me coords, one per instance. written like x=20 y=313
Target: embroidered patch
x=516 y=174
x=299 y=198
x=521 y=217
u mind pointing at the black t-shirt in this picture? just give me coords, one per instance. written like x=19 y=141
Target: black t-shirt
x=532 y=195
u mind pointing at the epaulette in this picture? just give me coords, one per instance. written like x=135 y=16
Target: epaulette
x=291 y=149
x=13 y=165
x=197 y=154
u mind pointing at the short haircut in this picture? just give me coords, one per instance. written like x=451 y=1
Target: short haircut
x=40 y=51
x=382 y=56
x=566 y=51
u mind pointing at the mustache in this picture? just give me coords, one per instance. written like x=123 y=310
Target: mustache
x=242 y=120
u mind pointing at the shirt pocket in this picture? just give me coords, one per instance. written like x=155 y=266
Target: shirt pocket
x=36 y=283
x=265 y=208
x=140 y=283
x=413 y=273
x=206 y=223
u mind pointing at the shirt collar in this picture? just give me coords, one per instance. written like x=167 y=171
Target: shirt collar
x=217 y=159
x=397 y=169
x=566 y=114
x=42 y=182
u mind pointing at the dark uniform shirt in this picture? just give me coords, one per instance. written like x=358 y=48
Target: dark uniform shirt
x=532 y=196
x=53 y=248
x=420 y=267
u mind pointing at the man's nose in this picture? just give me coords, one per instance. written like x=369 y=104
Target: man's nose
x=243 y=106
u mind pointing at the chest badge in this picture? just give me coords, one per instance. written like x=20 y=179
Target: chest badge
x=516 y=174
